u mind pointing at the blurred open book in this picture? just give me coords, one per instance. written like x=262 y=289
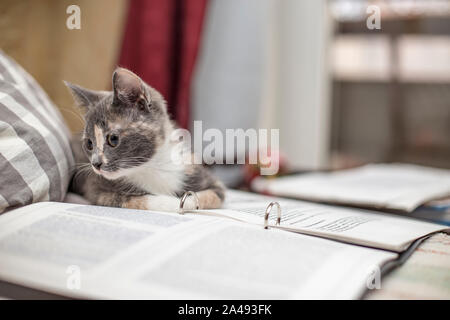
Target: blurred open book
x=398 y=187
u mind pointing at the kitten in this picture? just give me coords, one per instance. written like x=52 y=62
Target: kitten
x=127 y=150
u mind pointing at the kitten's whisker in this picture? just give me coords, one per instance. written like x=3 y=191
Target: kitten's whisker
x=80 y=117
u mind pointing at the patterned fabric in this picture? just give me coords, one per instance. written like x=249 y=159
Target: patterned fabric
x=160 y=45
x=425 y=275
x=35 y=154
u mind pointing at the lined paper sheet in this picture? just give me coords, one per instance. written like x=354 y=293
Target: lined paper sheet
x=357 y=226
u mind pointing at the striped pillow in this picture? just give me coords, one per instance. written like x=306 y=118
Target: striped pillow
x=35 y=154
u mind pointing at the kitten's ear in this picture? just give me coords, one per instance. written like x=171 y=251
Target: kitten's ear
x=128 y=88
x=85 y=97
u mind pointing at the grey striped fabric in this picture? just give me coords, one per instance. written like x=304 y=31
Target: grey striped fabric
x=35 y=154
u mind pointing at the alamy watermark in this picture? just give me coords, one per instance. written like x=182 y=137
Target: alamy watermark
x=374 y=19
x=236 y=146
x=74 y=19
x=73 y=281
x=373 y=280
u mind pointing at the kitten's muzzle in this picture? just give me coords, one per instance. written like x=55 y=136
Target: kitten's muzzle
x=96 y=160
x=97 y=165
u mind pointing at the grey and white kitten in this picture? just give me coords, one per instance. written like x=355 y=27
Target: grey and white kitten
x=127 y=149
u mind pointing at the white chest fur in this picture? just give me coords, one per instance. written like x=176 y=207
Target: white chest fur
x=161 y=175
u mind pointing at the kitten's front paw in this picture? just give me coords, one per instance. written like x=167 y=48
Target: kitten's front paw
x=162 y=203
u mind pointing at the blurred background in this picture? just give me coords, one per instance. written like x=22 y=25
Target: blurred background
x=340 y=93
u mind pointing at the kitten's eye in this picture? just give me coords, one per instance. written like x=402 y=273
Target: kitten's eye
x=113 y=140
x=89 y=144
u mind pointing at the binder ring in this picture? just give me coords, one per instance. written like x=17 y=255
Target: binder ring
x=268 y=210
x=183 y=200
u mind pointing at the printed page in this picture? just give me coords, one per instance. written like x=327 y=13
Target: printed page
x=42 y=243
x=100 y=252
x=356 y=226
x=232 y=260
x=392 y=186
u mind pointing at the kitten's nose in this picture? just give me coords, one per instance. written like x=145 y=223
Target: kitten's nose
x=97 y=165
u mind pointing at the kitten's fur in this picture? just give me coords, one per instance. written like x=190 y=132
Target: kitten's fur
x=137 y=172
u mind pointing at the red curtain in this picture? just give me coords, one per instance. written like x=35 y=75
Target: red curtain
x=160 y=45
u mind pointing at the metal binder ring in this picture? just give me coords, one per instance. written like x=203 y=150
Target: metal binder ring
x=183 y=199
x=268 y=210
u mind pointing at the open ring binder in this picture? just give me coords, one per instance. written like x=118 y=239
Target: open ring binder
x=183 y=200
x=268 y=210
x=266 y=215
